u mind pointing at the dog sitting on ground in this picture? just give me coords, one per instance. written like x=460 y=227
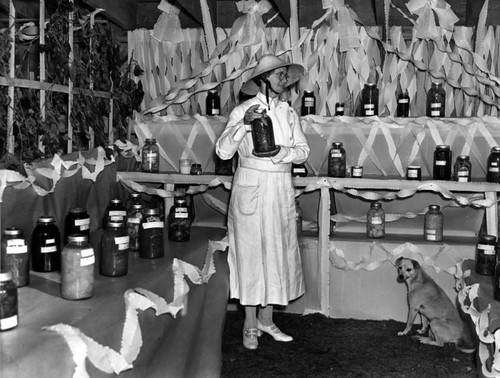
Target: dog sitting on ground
x=439 y=316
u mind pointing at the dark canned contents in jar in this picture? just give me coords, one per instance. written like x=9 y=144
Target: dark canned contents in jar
x=493 y=174
x=442 y=163
x=486 y=255
x=263 y=135
x=337 y=160
x=179 y=225
x=46 y=245
x=308 y=103
x=77 y=221
x=151 y=235
x=8 y=302
x=114 y=251
x=369 y=100
x=403 y=109
x=15 y=256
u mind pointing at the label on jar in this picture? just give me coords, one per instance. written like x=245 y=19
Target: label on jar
x=336 y=153
x=215 y=111
x=133 y=220
x=181 y=212
x=122 y=240
x=148 y=225
x=16 y=249
x=339 y=109
x=413 y=173
x=403 y=101
x=431 y=234
x=376 y=220
x=357 y=171
x=151 y=155
x=299 y=170
x=463 y=179
x=487 y=249
x=117 y=213
x=87 y=252
x=84 y=224
x=493 y=169
x=15 y=242
x=50 y=241
x=440 y=162
x=85 y=261
x=369 y=106
x=494 y=163
x=49 y=249
x=308 y=102
x=436 y=105
x=8 y=323
x=370 y=112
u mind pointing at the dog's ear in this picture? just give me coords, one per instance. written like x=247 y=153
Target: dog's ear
x=398 y=261
x=416 y=264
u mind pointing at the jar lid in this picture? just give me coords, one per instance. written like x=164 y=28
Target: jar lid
x=46 y=219
x=339 y=104
x=309 y=92
x=434 y=207
x=180 y=201
x=488 y=238
x=134 y=195
x=443 y=147
x=115 y=201
x=337 y=144
x=213 y=91
x=436 y=83
x=416 y=167
x=115 y=224
x=463 y=157
x=495 y=149
x=77 y=210
x=12 y=231
x=6 y=276
x=137 y=206
x=150 y=140
x=152 y=211
x=376 y=204
x=77 y=238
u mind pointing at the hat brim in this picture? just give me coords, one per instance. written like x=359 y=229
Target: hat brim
x=295 y=72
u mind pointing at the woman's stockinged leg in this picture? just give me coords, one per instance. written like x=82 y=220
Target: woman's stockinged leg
x=250 y=317
x=266 y=315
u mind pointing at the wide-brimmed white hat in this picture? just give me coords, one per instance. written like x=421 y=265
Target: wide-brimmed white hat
x=268 y=63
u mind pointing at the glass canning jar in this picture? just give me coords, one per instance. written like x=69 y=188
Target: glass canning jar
x=179 y=221
x=115 y=212
x=308 y=103
x=369 y=100
x=486 y=255
x=436 y=100
x=77 y=221
x=46 y=245
x=299 y=170
x=433 y=224
x=8 y=302
x=403 y=108
x=442 y=163
x=339 y=109
x=77 y=268
x=15 y=256
x=493 y=174
x=337 y=160
x=151 y=235
x=212 y=103
x=150 y=156
x=375 y=221
x=113 y=260
x=134 y=218
x=462 y=170
x=263 y=135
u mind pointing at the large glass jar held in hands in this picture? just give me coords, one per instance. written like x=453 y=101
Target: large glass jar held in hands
x=263 y=135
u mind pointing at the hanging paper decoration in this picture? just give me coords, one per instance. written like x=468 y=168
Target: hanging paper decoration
x=168 y=26
x=249 y=29
x=424 y=9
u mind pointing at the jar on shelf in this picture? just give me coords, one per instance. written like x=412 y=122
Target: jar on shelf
x=113 y=260
x=413 y=173
x=212 y=103
x=46 y=245
x=179 y=221
x=133 y=199
x=77 y=221
x=462 y=170
x=115 y=212
x=357 y=171
x=486 y=255
x=496 y=278
x=77 y=268
x=299 y=170
x=185 y=166
x=298 y=216
x=403 y=108
x=308 y=103
x=337 y=160
x=15 y=256
x=223 y=167
x=375 y=221
x=436 y=100
x=442 y=163
x=433 y=224
x=263 y=135
x=369 y=100
x=196 y=169
x=134 y=218
x=339 y=109
x=151 y=235
x=493 y=174
x=8 y=302
x=150 y=156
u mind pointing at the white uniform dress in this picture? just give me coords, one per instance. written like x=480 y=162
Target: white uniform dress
x=264 y=260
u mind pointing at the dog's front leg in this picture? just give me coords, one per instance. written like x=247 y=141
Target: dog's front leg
x=425 y=325
x=412 y=314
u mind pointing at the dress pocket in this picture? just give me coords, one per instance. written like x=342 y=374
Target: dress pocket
x=246 y=198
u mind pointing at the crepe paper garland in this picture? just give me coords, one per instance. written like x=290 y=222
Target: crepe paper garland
x=489 y=342
x=110 y=361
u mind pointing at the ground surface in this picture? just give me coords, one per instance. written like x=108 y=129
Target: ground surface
x=326 y=347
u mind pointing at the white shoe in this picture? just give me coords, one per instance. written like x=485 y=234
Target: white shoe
x=250 y=340
x=274 y=331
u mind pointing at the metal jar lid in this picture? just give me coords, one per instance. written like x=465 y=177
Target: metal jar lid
x=434 y=207
x=46 y=219
x=77 y=238
x=337 y=145
x=495 y=149
x=137 y=206
x=488 y=238
x=12 y=231
x=77 y=211
x=152 y=211
x=150 y=140
x=116 y=201
x=443 y=147
x=135 y=195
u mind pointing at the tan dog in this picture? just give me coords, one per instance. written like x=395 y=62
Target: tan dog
x=439 y=316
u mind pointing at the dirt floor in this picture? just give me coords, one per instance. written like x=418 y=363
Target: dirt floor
x=324 y=347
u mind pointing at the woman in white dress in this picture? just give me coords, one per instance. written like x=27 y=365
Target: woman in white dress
x=264 y=259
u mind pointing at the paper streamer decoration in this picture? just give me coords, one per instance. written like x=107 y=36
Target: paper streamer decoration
x=110 y=361
x=55 y=170
x=168 y=26
x=489 y=342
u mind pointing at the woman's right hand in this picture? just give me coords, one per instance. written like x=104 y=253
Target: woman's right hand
x=250 y=114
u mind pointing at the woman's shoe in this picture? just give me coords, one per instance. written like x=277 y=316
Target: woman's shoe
x=274 y=331
x=250 y=340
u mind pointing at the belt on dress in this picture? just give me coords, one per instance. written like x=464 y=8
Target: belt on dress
x=265 y=165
